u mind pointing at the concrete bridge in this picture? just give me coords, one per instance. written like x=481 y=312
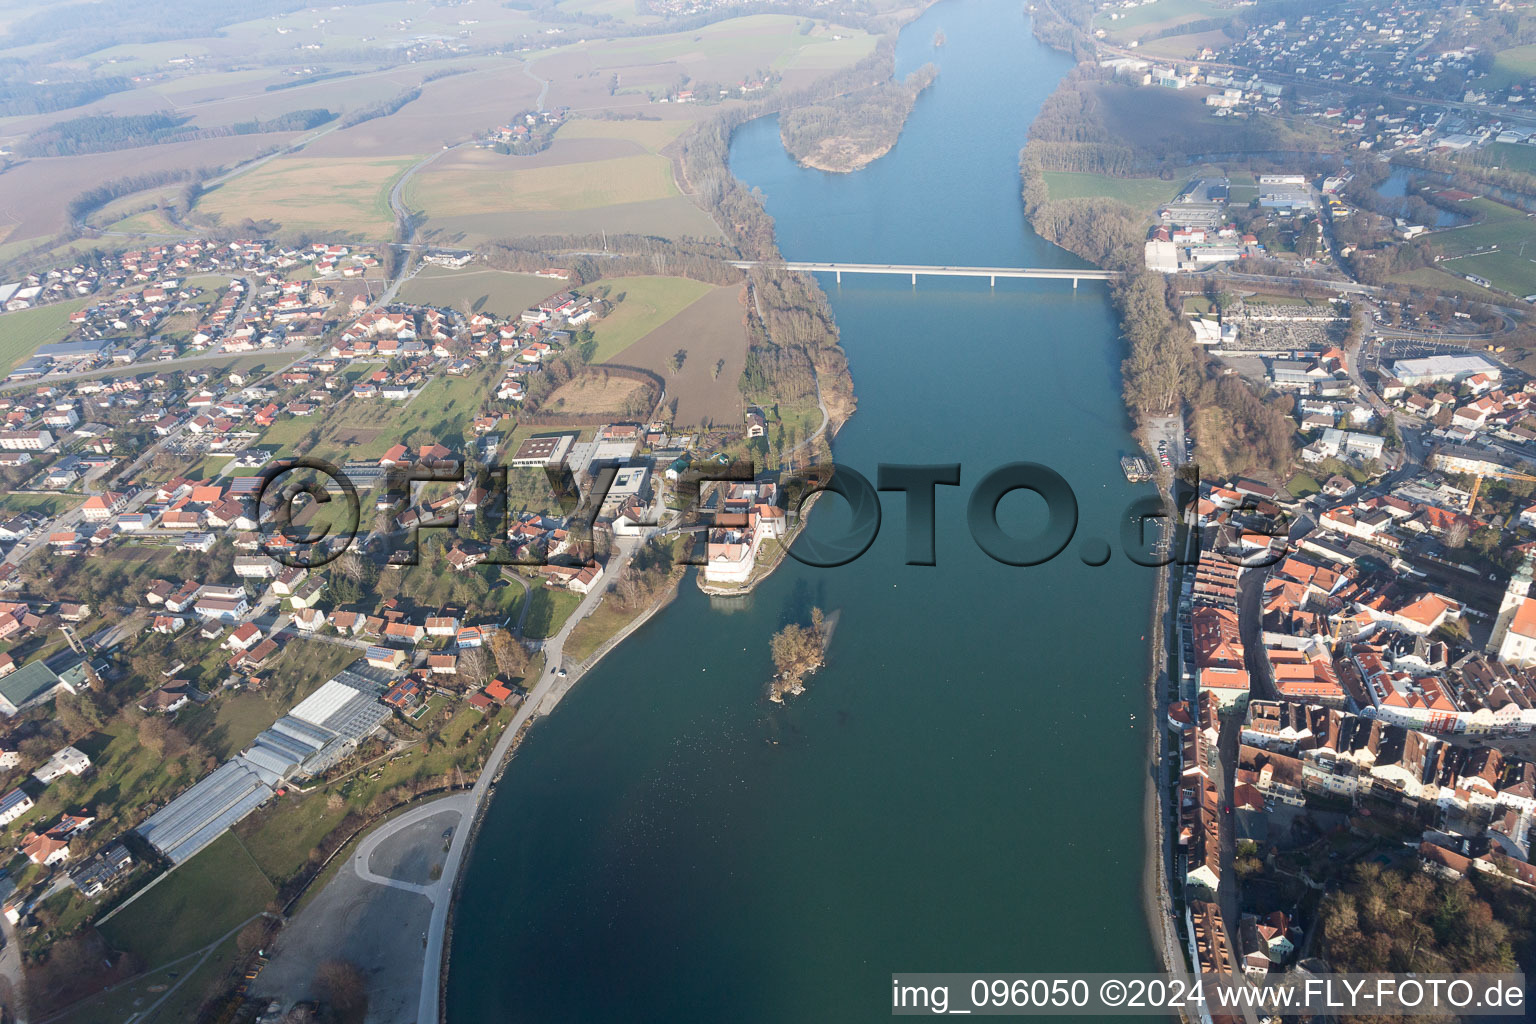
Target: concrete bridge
x=912 y=270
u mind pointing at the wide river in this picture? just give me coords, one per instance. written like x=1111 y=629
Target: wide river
x=961 y=788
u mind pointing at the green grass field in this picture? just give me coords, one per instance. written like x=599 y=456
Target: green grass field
x=367 y=428
x=548 y=611
x=1438 y=282
x=198 y=903
x=1144 y=194
x=1514 y=156
x=23 y=331
x=342 y=195
x=648 y=303
x=1510 y=66
x=1154 y=17
x=1509 y=229
x=45 y=504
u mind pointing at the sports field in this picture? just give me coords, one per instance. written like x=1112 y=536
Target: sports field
x=337 y=195
x=1501 y=247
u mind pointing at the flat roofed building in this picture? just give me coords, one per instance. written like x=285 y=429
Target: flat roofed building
x=543 y=450
x=1428 y=369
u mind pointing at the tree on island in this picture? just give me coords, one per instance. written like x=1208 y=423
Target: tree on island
x=797 y=651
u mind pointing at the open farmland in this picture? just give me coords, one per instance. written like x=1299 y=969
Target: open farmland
x=676 y=217
x=1501 y=247
x=596 y=176
x=340 y=196
x=642 y=305
x=37 y=191
x=712 y=333
x=488 y=182
x=479 y=290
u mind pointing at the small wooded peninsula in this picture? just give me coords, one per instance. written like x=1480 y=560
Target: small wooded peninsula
x=846 y=131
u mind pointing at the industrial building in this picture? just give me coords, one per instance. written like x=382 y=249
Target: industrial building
x=1454 y=369
x=320 y=730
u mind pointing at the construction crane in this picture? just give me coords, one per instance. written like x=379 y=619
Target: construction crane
x=1477 y=484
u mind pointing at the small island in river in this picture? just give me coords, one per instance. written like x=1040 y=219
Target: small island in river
x=799 y=651
x=848 y=131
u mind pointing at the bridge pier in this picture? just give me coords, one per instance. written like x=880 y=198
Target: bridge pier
x=1074 y=284
x=992 y=280
x=839 y=277
x=914 y=279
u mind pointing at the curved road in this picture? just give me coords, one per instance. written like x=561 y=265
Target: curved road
x=541 y=700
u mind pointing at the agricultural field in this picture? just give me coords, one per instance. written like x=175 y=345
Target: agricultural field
x=714 y=337
x=1501 y=247
x=486 y=182
x=676 y=217
x=1184 y=45
x=1144 y=194
x=340 y=196
x=642 y=304
x=37 y=191
x=24 y=331
x=727 y=50
x=441 y=411
x=479 y=290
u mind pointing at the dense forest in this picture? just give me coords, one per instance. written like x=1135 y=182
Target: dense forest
x=845 y=132
x=20 y=97
x=383 y=109
x=296 y=121
x=100 y=133
x=104 y=133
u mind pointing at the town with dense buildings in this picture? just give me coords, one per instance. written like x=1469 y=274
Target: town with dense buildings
x=1329 y=318
x=159 y=594
x=301 y=526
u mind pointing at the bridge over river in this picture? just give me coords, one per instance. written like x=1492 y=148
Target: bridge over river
x=914 y=270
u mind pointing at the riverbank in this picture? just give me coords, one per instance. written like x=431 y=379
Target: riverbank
x=1107 y=233
x=674 y=759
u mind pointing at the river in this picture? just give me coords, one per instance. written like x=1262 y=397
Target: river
x=961 y=787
